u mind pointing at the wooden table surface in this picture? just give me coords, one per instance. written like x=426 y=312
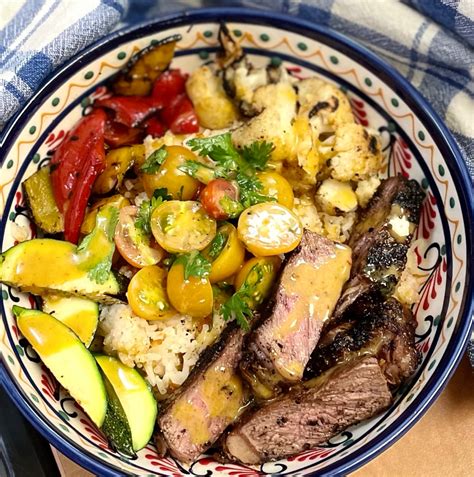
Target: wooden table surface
x=441 y=444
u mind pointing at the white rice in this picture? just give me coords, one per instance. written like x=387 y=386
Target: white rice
x=165 y=351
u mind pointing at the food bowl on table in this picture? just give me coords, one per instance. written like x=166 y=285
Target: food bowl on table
x=416 y=144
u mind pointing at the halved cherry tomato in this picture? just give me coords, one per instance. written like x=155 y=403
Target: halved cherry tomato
x=226 y=253
x=192 y=296
x=168 y=85
x=134 y=246
x=179 y=184
x=276 y=186
x=219 y=198
x=259 y=273
x=129 y=110
x=147 y=294
x=269 y=229
x=116 y=200
x=182 y=226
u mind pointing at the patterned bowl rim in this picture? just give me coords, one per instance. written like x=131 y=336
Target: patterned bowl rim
x=433 y=123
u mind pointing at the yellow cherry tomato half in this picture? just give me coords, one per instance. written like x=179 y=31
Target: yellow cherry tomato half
x=133 y=245
x=258 y=273
x=192 y=296
x=276 y=186
x=147 y=294
x=182 y=226
x=226 y=253
x=117 y=200
x=180 y=185
x=269 y=229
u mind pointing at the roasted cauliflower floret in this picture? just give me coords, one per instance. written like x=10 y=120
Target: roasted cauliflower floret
x=277 y=104
x=214 y=109
x=324 y=104
x=322 y=109
x=334 y=197
x=357 y=154
x=338 y=227
x=366 y=189
x=305 y=209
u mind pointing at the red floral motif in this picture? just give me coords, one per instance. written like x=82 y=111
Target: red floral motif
x=233 y=469
x=312 y=454
x=423 y=346
x=164 y=464
x=48 y=382
x=359 y=111
x=55 y=139
x=402 y=157
x=15 y=331
x=95 y=434
x=295 y=72
x=427 y=216
x=430 y=290
x=100 y=93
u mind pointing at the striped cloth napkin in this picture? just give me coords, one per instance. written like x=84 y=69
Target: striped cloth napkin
x=430 y=42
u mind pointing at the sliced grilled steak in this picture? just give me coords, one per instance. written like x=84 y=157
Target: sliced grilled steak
x=308 y=289
x=211 y=398
x=381 y=238
x=384 y=329
x=309 y=416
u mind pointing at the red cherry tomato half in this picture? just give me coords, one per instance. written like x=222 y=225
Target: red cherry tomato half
x=213 y=198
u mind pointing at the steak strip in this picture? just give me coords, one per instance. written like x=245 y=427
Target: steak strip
x=309 y=416
x=309 y=286
x=209 y=400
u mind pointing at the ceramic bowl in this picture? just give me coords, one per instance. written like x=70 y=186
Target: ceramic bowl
x=416 y=144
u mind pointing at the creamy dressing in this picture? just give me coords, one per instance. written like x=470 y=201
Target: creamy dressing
x=223 y=395
x=315 y=290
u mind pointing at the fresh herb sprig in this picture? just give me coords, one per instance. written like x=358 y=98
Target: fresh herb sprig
x=217 y=245
x=239 y=305
x=232 y=165
x=194 y=264
x=146 y=209
x=154 y=161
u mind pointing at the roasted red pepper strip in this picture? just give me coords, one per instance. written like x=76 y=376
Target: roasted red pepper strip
x=154 y=127
x=75 y=165
x=180 y=117
x=168 y=85
x=130 y=110
x=117 y=134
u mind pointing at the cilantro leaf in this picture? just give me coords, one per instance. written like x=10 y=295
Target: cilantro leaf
x=154 y=161
x=163 y=193
x=146 y=209
x=216 y=246
x=251 y=191
x=194 y=264
x=240 y=305
x=237 y=307
x=232 y=208
x=221 y=150
x=101 y=271
x=199 y=171
x=257 y=154
x=99 y=266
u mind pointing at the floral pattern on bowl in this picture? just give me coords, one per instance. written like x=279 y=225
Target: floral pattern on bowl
x=412 y=148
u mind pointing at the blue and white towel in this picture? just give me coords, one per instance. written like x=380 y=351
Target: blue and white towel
x=430 y=42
